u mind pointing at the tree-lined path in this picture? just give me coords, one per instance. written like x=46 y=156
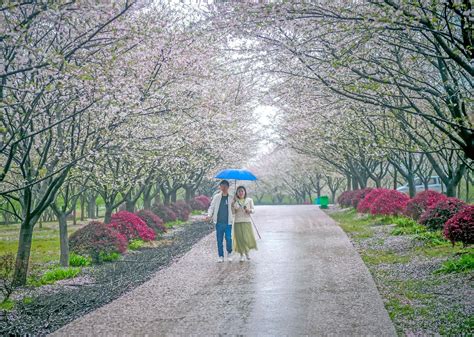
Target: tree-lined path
x=306 y=278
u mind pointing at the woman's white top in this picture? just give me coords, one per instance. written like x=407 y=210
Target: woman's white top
x=239 y=212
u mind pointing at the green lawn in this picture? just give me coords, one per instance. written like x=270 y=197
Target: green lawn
x=45 y=245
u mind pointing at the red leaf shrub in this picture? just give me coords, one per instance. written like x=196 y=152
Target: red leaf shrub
x=421 y=202
x=345 y=199
x=181 y=209
x=152 y=220
x=460 y=228
x=131 y=226
x=358 y=195
x=389 y=202
x=197 y=205
x=365 y=204
x=436 y=216
x=164 y=212
x=206 y=201
x=96 y=238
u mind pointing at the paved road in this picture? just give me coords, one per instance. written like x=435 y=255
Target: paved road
x=305 y=279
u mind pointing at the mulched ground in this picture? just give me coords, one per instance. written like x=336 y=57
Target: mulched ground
x=52 y=307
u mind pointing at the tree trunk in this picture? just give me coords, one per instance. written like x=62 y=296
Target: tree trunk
x=395 y=178
x=166 y=199
x=451 y=190
x=82 y=201
x=378 y=182
x=23 y=253
x=91 y=206
x=411 y=185
x=174 y=196
x=468 y=180
x=63 y=240
x=189 y=193
x=130 y=205
x=333 y=197
x=147 y=198
x=109 y=208
x=355 y=183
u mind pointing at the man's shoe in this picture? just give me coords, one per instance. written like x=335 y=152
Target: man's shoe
x=229 y=257
x=220 y=259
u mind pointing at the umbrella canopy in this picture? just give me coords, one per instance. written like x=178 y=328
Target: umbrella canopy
x=236 y=174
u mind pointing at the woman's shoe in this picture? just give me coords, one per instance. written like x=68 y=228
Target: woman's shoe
x=220 y=259
x=247 y=256
x=242 y=258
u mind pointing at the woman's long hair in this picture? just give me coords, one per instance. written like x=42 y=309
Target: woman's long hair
x=237 y=192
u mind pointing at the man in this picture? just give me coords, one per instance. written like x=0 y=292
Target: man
x=220 y=212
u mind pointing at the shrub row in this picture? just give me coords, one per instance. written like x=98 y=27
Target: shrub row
x=99 y=241
x=430 y=208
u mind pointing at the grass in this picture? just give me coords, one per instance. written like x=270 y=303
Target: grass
x=412 y=302
x=463 y=264
x=45 y=245
x=79 y=261
x=136 y=244
x=357 y=227
x=56 y=274
x=109 y=257
x=7 y=305
x=172 y=224
x=375 y=257
x=197 y=212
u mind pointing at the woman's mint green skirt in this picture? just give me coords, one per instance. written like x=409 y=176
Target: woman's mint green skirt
x=244 y=240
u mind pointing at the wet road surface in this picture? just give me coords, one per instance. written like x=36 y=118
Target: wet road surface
x=305 y=279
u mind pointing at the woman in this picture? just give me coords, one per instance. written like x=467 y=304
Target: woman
x=244 y=240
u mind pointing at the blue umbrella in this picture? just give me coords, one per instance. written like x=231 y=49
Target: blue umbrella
x=236 y=174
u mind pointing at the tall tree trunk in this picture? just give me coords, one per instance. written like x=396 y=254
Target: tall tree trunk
x=147 y=198
x=189 y=193
x=395 y=179
x=355 y=183
x=349 y=182
x=92 y=212
x=82 y=201
x=411 y=185
x=63 y=240
x=166 y=198
x=109 y=208
x=23 y=253
x=130 y=205
x=174 y=196
x=468 y=180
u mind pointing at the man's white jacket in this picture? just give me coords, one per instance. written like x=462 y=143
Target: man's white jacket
x=214 y=208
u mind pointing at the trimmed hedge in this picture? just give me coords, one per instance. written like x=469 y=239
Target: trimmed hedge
x=132 y=226
x=181 y=209
x=164 y=212
x=205 y=200
x=365 y=204
x=421 y=202
x=389 y=202
x=96 y=238
x=460 y=228
x=436 y=216
x=152 y=220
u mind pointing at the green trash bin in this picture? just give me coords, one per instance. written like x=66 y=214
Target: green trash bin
x=324 y=201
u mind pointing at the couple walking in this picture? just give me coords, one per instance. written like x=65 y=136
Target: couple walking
x=224 y=212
